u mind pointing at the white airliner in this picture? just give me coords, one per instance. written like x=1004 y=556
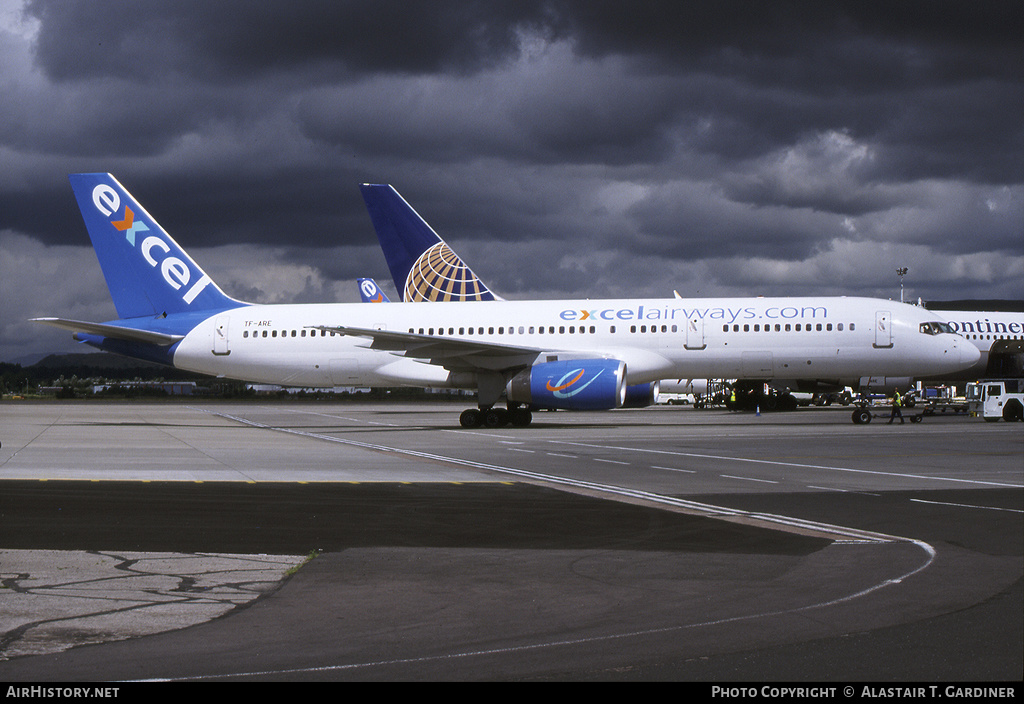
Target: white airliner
x=998 y=335
x=571 y=354
x=425 y=268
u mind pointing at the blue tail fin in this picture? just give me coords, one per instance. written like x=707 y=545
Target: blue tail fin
x=147 y=273
x=370 y=292
x=423 y=267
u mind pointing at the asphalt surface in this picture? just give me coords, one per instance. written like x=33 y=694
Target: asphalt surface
x=157 y=541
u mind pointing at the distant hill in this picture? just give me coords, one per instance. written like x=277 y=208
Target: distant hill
x=98 y=360
x=26 y=360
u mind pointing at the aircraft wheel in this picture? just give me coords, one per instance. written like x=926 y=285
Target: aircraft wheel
x=495 y=417
x=471 y=418
x=861 y=416
x=520 y=417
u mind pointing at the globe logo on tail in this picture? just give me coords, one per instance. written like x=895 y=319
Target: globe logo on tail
x=439 y=275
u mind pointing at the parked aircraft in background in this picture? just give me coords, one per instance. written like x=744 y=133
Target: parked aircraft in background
x=423 y=266
x=370 y=292
x=998 y=335
x=572 y=354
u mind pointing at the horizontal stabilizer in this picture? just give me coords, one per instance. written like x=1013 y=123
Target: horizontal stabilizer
x=113 y=331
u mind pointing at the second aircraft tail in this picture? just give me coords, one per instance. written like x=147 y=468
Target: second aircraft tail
x=423 y=266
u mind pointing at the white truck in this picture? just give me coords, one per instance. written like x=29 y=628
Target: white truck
x=993 y=399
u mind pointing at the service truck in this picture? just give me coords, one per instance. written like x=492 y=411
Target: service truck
x=993 y=399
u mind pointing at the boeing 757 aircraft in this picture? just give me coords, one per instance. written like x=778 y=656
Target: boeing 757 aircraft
x=570 y=354
x=426 y=268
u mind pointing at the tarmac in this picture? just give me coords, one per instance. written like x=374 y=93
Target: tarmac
x=291 y=541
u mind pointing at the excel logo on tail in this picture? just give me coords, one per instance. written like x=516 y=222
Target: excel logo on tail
x=154 y=248
x=568 y=385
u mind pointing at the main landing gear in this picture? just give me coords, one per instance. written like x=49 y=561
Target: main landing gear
x=490 y=388
x=518 y=417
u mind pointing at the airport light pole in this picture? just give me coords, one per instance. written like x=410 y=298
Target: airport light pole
x=902 y=271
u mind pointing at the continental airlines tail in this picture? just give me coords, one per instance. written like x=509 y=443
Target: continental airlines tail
x=422 y=265
x=567 y=354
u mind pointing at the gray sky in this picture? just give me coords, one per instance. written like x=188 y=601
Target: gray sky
x=564 y=149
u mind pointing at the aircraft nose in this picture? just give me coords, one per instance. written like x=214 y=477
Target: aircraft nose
x=969 y=354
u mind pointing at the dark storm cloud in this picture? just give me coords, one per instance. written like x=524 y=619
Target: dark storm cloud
x=565 y=147
x=232 y=40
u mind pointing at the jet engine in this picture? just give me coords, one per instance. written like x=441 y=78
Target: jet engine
x=572 y=384
x=642 y=395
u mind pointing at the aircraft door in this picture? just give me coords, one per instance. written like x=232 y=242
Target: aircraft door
x=883 y=329
x=695 y=334
x=220 y=335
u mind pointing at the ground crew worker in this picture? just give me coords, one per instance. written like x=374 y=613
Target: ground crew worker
x=897 y=402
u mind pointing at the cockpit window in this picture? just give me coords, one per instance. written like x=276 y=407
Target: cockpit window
x=936 y=328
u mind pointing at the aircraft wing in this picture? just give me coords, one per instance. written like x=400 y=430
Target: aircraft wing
x=114 y=331
x=451 y=353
